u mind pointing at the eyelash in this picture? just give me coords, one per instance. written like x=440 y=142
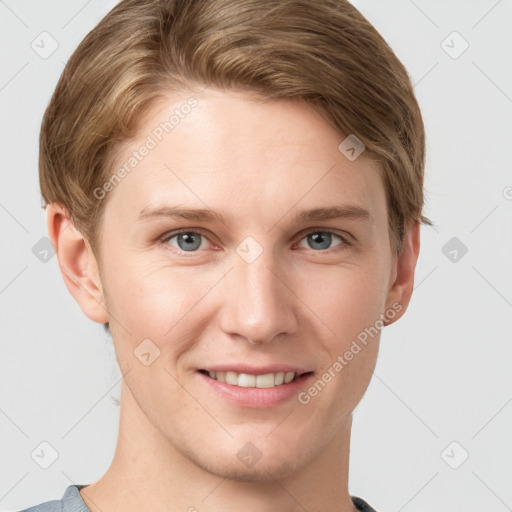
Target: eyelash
x=168 y=236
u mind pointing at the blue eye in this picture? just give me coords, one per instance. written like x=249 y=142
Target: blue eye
x=322 y=239
x=188 y=241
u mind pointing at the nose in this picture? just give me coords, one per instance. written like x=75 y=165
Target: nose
x=258 y=302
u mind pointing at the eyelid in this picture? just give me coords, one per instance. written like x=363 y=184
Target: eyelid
x=170 y=234
x=346 y=237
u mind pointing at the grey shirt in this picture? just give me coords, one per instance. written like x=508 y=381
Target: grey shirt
x=72 y=502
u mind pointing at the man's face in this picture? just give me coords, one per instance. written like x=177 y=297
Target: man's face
x=259 y=292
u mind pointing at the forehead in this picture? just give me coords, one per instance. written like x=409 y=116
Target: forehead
x=228 y=150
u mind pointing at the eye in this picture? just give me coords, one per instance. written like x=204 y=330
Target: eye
x=323 y=239
x=187 y=241
x=191 y=241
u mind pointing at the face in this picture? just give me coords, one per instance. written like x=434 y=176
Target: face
x=252 y=285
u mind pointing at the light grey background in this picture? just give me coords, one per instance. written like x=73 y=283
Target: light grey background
x=444 y=370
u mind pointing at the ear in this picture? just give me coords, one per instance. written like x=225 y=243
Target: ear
x=402 y=278
x=77 y=263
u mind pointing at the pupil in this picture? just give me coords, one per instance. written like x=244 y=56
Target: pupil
x=189 y=241
x=318 y=237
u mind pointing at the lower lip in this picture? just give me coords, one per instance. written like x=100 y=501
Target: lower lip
x=256 y=398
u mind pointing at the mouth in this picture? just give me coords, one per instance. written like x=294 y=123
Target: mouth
x=247 y=380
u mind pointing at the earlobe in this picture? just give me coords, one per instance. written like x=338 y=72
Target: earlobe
x=402 y=285
x=77 y=263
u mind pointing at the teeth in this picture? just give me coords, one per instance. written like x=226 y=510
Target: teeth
x=288 y=377
x=245 y=380
x=265 y=381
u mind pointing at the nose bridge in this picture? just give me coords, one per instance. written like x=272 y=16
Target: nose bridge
x=258 y=305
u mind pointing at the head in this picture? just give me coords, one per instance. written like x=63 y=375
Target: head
x=155 y=110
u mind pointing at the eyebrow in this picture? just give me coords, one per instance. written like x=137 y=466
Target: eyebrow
x=346 y=211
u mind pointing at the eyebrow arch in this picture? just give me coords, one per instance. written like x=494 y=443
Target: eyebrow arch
x=179 y=212
x=346 y=211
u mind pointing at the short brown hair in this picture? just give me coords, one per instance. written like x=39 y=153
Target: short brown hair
x=323 y=52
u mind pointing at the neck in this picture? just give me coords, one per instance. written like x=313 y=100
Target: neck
x=148 y=473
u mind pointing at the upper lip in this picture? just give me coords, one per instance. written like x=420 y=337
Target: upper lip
x=256 y=370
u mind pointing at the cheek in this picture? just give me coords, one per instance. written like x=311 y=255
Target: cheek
x=346 y=300
x=156 y=302
x=350 y=304
x=143 y=292
x=351 y=309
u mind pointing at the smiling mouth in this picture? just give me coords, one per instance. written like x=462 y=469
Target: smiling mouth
x=246 y=380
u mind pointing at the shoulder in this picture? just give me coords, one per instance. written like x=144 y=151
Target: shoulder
x=71 y=502
x=361 y=504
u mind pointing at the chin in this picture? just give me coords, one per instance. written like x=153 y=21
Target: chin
x=268 y=468
x=261 y=472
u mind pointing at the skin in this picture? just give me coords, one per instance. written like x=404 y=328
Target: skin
x=300 y=302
